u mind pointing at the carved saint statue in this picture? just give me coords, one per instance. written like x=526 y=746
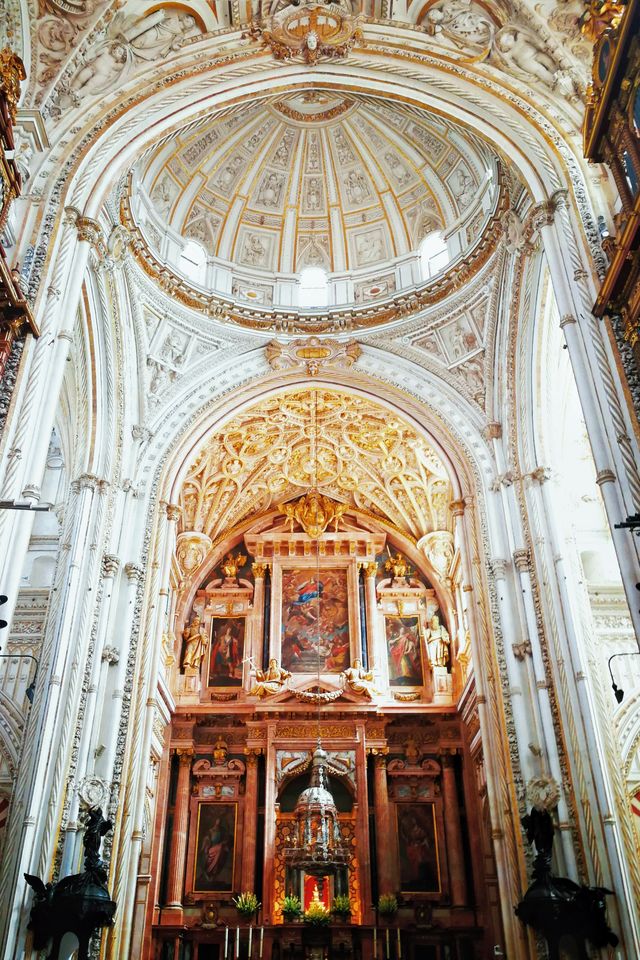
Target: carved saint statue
x=270 y=681
x=195 y=645
x=438 y=642
x=359 y=680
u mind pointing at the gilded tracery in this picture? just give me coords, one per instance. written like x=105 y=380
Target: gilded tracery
x=365 y=458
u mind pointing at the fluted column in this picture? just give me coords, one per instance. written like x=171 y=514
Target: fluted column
x=249 y=829
x=178 y=851
x=370 y=600
x=387 y=879
x=453 y=831
x=258 y=569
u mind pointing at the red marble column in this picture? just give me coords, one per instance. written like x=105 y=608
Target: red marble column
x=385 y=851
x=250 y=823
x=455 y=852
x=178 y=852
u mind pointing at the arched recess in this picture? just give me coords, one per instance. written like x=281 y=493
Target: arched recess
x=465 y=451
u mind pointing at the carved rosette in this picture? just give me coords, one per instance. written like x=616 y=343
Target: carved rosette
x=191 y=549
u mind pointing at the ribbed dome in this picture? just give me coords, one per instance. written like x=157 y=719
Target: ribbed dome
x=319 y=178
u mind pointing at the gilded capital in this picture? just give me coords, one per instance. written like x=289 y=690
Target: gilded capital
x=371 y=569
x=259 y=570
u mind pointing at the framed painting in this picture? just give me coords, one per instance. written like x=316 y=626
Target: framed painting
x=418 y=848
x=227 y=646
x=215 y=848
x=315 y=606
x=404 y=651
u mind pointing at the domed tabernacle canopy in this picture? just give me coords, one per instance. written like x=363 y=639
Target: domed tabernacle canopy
x=317 y=847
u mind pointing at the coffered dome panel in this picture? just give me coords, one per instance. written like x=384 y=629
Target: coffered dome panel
x=317 y=178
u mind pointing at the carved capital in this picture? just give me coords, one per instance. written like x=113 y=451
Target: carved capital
x=522 y=560
x=498 y=567
x=110 y=565
x=493 y=430
x=111 y=656
x=89 y=230
x=521 y=650
x=134 y=572
x=174 y=512
x=259 y=570
x=370 y=569
x=457 y=507
x=605 y=476
x=185 y=755
x=566 y=319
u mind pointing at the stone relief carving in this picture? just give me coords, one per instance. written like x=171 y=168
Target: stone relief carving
x=126 y=43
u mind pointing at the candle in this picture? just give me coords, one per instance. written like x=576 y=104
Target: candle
x=375 y=943
x=399 y=945
x=387 y=943
x=226 y=942
x=237 y=942
x=251 y=936
x=261 y=938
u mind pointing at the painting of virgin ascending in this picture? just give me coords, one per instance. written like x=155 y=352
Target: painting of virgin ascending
x=315 y=606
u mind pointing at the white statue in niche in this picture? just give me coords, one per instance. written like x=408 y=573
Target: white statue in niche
x=438 y=642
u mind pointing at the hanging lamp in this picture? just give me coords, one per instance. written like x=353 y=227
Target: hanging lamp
x=317 y=847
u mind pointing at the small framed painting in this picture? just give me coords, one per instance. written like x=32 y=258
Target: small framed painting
x=227 y=647
x=404 y=652
x=418 y=848
x=215 y=846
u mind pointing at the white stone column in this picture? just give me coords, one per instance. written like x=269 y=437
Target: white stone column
x=516 y=939
x=110 y=720
x=102 y=658
x=52 y=722
x=126 y=877
x=602 y=407
x=371 y=613
x=38 y=401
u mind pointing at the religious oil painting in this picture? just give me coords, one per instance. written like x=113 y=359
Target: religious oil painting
x=403 y=651
x=227 y=645
x=315 y=620
x=215 y=847
x=418 y=848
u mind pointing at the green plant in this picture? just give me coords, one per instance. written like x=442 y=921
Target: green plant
x=246 y=904
x=291 y=906
x=387 y=905
x=341 y=905
x=317 y=914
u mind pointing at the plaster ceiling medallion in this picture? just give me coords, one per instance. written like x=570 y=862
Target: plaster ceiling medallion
x=366 y=458
x=314 y=31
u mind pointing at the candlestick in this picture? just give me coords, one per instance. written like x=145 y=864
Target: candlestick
x=237 y=943
x=250 y=938
x=399 y=945
x=261 y=939
x=387 y=943
x=375 y=943
x=226 y=943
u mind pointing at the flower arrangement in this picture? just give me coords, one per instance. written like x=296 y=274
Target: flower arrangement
x=246 y=904
x=341 y=905
x=387 y=905
x=291 y=906
x=317 y=914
